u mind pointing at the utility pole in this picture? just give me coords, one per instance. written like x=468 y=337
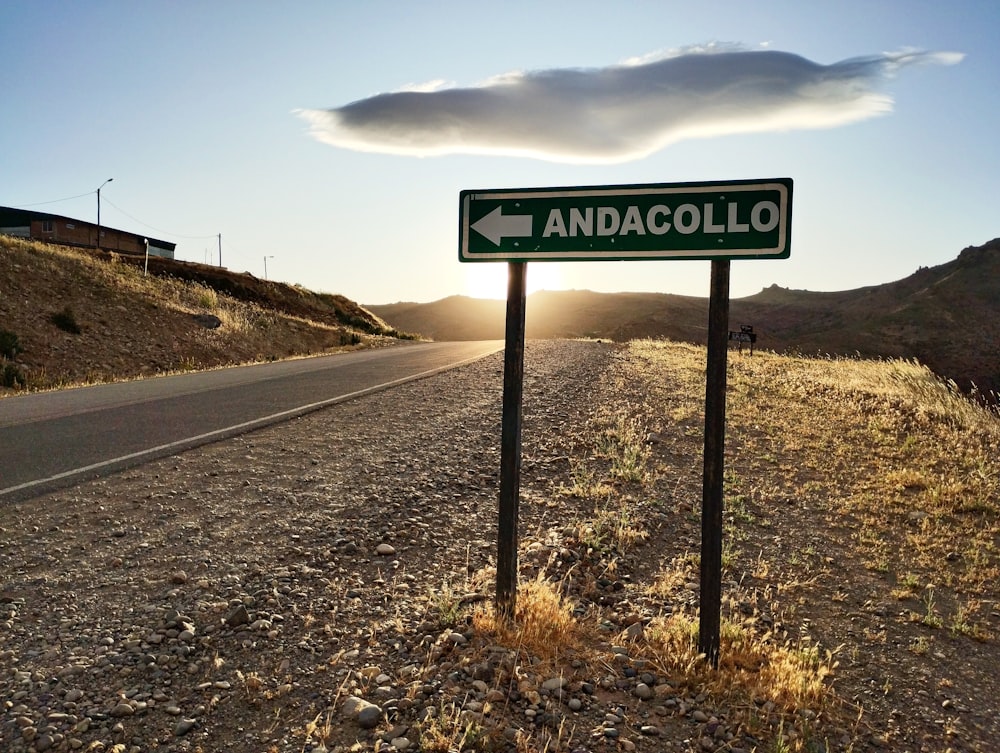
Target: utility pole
x=220 y=249
x=98 y=243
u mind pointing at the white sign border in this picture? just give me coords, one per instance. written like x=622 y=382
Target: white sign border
x=610 y=254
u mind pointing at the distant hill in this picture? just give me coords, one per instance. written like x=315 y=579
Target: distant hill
x=947 y=317
x=549 y=314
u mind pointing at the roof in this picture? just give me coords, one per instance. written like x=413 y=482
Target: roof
x=11 y=216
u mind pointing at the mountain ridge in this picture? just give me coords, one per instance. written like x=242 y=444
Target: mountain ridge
x=946 y=316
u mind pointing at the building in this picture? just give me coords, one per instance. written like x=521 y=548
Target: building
x=65 y=231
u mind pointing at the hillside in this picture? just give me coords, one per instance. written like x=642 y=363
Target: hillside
x=946 y=316
x=70 y=316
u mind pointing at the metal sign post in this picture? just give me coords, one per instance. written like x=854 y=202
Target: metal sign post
x=510 y=443
x=739 y=219
x=710 y=602
x=745 y=335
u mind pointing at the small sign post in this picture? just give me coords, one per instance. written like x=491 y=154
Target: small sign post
x=510 y=443
x=740 y=219
x=745 y=335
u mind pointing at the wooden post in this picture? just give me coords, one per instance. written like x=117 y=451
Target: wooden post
x=510 y=443
x=712 y=488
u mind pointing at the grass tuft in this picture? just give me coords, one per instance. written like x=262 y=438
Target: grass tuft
x=11 y=376
x=10 y=345
x=544 y=625
x=65 y=320
x=755 y=669
x=623 y=442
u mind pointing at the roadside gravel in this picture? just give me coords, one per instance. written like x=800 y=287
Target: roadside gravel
x=307 y=588
x=228 y=597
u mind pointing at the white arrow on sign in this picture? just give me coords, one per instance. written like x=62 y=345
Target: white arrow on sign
x=496 y=226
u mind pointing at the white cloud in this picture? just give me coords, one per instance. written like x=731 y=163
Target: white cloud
x=621 y=112
x=427 y=86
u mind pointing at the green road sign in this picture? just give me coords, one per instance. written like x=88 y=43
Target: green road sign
x=739 y=219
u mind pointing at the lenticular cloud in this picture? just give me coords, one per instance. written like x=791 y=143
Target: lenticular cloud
x=621 y=112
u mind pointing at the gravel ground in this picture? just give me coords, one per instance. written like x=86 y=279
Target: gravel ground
x=306 y=588
x=227 y=597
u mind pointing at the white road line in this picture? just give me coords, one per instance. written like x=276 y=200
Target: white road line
x=235 y=429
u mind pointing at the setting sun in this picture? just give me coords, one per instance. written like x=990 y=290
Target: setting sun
x=490 y=280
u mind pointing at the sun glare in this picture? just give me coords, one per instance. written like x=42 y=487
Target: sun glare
x=490 y=280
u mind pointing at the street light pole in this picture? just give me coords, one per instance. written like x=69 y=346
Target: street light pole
x=98 y=243
x=265 y=265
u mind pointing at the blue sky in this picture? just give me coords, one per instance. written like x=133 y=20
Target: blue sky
x=190 y=107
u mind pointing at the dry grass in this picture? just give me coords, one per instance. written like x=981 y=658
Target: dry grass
x=450 y=730
x=621 y=440
x=886 y=445
x=81 y=319
x=544 y=627
x=755 y=669
x=613 y=529
x=543 y=634
x=901 y=468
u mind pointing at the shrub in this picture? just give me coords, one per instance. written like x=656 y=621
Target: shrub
x=207 y=298
x=11 y=376
x=66 y=321
x=395 y=333
x=10 y=346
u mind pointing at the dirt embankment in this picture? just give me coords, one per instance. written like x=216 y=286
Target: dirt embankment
x=70 y=317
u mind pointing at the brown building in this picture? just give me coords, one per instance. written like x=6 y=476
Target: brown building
x=65 y=231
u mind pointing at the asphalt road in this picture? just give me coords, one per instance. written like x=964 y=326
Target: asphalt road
x=52 y=440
